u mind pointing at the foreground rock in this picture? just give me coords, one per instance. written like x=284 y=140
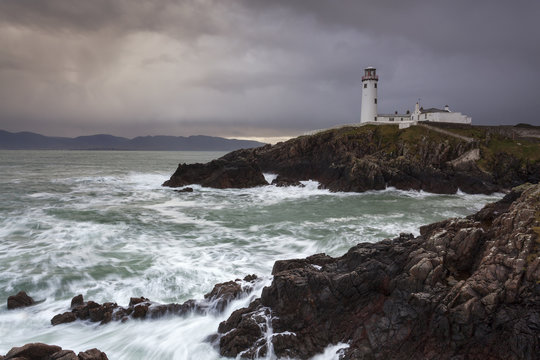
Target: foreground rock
x=374 y=157
x=21 y=299
x=40 y=351
x=464 y=289
x=139 y=308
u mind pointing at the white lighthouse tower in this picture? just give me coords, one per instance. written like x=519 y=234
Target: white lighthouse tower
x=369 y=95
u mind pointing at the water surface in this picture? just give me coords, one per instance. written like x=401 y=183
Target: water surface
x=98 y=223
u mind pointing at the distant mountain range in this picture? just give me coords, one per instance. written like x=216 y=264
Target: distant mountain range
x=33 y=141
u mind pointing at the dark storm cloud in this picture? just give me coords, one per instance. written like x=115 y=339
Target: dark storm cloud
x=259 y=67
x=439 y=26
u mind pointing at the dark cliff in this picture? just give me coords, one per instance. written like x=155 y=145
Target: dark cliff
x=434 y=159
x=466 y=288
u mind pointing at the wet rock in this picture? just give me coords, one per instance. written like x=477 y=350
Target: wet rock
x=64 y=318
x=21 y=299
x=40 y=351
x=222 y=294
x=135 y=301
x=185 y=190
x=220 y=174
x=282 y=181
x=77 y=301
x=465 y=288
x=63 y=355
x=140 y=307
x=32 y=351
x=140 y=310
x=92 y=354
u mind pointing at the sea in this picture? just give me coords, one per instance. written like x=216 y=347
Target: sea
x=99 y=223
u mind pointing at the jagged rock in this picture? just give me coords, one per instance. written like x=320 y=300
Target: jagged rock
x=40 y=351
x=465 y=288
x=32 y=351
x=282 y=181
x=63 y=355
x=20 y=300
x=64 y=318
x=218 y=174
x=185 y=190
x=92 y=354
x=140 y=307
x=371 y=158
x=222 y=294
x=77 y=301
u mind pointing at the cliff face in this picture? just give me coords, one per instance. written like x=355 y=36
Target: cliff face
x=465 y=288
x=374 y=157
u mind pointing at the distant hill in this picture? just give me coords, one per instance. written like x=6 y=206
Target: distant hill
x=32 y=141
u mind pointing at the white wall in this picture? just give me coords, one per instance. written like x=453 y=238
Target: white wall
x=369 y=95
x=393 y=118
x=452 y=117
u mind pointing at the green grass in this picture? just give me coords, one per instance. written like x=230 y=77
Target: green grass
x=521 y=149
x=387 y=138
x=477 y=133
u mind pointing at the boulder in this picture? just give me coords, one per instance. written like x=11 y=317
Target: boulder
x=40 y=351
x=21 y=299
x=63 y=318
x=33 y=351
x=77 y=301
x=92 y=354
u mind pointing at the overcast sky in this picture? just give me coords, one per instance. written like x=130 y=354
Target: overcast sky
x=259 y=68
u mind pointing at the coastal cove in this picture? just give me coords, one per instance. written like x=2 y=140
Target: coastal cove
x=100 y=224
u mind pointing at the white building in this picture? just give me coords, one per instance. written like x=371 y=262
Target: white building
x=369 y=107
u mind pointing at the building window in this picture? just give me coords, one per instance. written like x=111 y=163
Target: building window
x=375 y=118
x=401 y=119
x=365 y=86
x=375 y=100
x=391 y=119
x=425 y=116
x=375 y=85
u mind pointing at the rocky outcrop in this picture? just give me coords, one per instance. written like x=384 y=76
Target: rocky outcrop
x=21 y=299
x=374 y=157
x=139 y=308
x=40 y=351
x=465 y=288
x=220 y=174
x=281 y=181
x=185 y=190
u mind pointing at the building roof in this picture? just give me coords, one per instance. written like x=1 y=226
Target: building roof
x=394 y=115
x=433 y=110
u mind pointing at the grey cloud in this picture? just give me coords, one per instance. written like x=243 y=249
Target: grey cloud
x=252 y=67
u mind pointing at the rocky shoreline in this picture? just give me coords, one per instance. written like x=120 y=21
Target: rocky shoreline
x=464 y=289
x=374 y=157
x=142 y=308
